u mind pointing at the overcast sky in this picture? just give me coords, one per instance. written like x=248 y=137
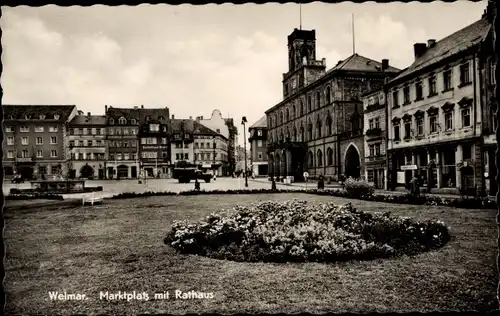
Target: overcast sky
x=194 y=59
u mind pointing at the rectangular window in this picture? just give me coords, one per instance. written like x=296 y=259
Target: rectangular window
x=465 y=117
x=38 y=129
x=259 y=155
x=372 y=150
x=24 y=129
x=493 y=68
x=10 y=154
x=25 y=154
x=419 y=91
x=98 y=143
x=39 y=140
x=186 y=156
x=94 y=130
x=370 y=176
x=259 y=143
x=447 y=82
x=126 y=156
x=9 y=129
x=432 y=86
x=208 y=156
x=125 y=131
x=154 y=127
x=259 y=132
x=81 y=131
x=119 y=156
x=24 y=140
x=53 y=129
x=465 y=74
x=10 y=140
x=377 y=149
x=111 y=131
x=177 y=157
x=433 y=124
x=448 y=118
x=406 y=95
x=395 y=99
x=133 y=143
x=53 y=140
x=396 y=132
x=407 y=129
x=39 y=154
x=420 y=126
x=133 y=131
x=377 y=122
x=370 y=124
x=53 y=153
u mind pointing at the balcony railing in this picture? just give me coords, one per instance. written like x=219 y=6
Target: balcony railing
x=374 y=132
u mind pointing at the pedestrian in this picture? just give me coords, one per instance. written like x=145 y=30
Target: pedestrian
x=321 y=182
x=196 y=185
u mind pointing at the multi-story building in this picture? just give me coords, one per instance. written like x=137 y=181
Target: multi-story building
x=181 y=140
x=318 y=127
x=258 y=147
x=435 y=114
x=87 y=146
x=210 y=150
x=225 y=127
x=240 y=159
x=36 y=139
x=154 y=143
x=375 y=123
x=123 y=150
x=490 y=104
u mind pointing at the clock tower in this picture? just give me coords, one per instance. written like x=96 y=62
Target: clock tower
x=302 y=63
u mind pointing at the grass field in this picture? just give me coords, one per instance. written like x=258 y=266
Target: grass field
x=119 y=247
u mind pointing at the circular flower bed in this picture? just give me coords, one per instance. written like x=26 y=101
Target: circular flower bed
x=301 y=231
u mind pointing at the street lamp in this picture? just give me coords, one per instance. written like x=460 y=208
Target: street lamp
x=243 y=121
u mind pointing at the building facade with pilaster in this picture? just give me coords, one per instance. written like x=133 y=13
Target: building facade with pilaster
x=36 y=141
x=435 y=115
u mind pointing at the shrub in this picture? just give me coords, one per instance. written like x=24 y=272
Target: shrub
x=299 y=231
x=34 y=196
x=358 y=188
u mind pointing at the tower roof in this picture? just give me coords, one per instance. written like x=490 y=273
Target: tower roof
x=301 y=34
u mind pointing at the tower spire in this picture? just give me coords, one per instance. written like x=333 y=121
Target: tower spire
x=353 y=38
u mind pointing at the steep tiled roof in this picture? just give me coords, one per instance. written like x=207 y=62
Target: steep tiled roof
x=20 y=110
x=360 y=63
x=450 y=45
x=138 y=113
x=191 y=126
x=262 y=122
x=88 y=120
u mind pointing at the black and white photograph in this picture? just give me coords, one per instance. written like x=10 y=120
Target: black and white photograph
x=250 y=158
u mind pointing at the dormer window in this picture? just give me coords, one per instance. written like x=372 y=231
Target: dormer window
x=133 y=121
x=111 y=121
x=42 y=116
x=161 y=118
x=27 y=116
x=56 y=116
x=12 y=117
x=148 y=118
x=122 y=121
x=218 y=131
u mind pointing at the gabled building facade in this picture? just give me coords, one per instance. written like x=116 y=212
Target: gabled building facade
x=435 y=115
x=258 y=147
x=87 y=146
x=318 y=127
x=36 y=141
x=123 y=150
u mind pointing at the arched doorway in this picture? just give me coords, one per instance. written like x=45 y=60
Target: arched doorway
x=86 y=171
x=122 y=171
x=352 y=163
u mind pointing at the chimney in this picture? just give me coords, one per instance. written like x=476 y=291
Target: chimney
x=88 y=113
x=136 y=107
x=419 y=49
x=190 y=117
x=173 y=117
x=105 y=110
x=339 y=62
x=80 y=112
x=431 y=43
x=201 y=117
x=142 y=106
x=385 y=64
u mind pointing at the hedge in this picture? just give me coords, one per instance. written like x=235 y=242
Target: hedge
x=459 y=202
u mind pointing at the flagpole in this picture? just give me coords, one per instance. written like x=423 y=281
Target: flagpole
x=353 y=38
x=300 y=14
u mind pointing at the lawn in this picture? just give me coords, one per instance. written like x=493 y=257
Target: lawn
x=119 y=246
